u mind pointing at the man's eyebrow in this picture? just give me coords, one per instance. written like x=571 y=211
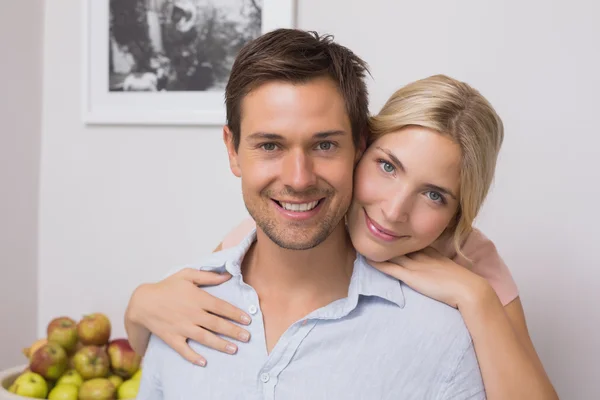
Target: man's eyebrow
x=275 y=136
x=429 y=186
x=328 y=134
x=264 y=136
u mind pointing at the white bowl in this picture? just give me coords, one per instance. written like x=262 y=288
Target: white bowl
x=7 y=377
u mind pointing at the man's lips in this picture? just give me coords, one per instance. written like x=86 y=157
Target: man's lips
x=299 y=210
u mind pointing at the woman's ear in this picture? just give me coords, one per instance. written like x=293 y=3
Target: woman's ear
x=231 y=151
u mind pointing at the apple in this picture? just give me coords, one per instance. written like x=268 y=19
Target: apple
x=63 y=330
x=50 y=361
x=115 y=380
x=30 y=384
x=97 y=389
x=64 y=391
x=92 y=362
x=129 y=389
x=28 y=351
x=137 y=375
x=124 y=361
x=94 y=329
x=71 y=377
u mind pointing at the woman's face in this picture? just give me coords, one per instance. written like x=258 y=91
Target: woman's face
x=406 y=191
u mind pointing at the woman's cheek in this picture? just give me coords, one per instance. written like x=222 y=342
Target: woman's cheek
x=367 y=185
x=428 y=224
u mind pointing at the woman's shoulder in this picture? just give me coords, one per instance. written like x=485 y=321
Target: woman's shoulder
x=482 y=258
x=237 y=234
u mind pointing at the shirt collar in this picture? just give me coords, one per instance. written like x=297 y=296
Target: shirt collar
x=230 y=259
x=365 y=281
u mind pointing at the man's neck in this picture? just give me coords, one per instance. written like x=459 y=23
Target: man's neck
x=321 y=272
x=293 y=283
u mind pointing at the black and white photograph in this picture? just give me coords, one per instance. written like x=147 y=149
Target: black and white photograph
x=167 y=62
x=177 y=45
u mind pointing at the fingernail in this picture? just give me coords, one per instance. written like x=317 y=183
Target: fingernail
x=231 y=349
x=201 y=363
x=244 y=336
x=246 y=319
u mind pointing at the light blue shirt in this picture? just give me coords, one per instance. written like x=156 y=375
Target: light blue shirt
x=383 y=341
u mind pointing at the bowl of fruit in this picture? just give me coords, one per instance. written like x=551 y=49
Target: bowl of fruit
x=75 y=361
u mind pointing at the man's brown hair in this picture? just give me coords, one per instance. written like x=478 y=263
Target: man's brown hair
x=296 y=56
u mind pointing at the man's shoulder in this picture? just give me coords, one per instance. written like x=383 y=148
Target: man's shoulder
x=435 y=316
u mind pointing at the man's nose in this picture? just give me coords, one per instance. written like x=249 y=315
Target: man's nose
x=298 y=171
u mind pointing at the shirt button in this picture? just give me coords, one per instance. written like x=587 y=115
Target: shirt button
x=252 y=309
x=264 y=377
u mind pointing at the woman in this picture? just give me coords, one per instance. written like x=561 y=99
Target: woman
x=418 y=187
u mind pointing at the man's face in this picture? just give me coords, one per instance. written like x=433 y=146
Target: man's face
x=296 y=159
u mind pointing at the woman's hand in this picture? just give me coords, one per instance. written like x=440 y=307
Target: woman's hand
x=176 y=309
x=436 y=276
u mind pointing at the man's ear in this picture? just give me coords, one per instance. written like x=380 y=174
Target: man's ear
x=231 y=151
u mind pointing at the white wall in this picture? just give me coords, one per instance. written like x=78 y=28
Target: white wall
x=123 y=205
x=20 y=127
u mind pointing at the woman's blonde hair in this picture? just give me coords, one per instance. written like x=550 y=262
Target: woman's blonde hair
x=454 y=109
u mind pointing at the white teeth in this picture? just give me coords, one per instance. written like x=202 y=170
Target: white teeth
x=299 y=207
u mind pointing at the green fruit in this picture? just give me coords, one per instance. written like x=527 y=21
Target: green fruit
x=97 y=389
x=116 y=380
x=64 y=391
x=137 y=375
x=30 y=384
x=63 y=330
x=129 y=389
x=70 y=377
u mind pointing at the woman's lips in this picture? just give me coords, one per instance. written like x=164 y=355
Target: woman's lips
x=378 y=231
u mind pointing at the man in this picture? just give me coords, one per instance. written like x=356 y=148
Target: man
x=326 y=325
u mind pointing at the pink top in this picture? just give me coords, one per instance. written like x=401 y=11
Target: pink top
x=486 y=261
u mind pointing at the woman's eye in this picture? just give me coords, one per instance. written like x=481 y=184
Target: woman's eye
x=269 y=146
x=435 y=196
x=386 y=166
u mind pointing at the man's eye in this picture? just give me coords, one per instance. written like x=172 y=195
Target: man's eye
x=269 y=146
x=325 y=146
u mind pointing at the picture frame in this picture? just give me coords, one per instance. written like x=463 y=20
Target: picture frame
x=105 y=102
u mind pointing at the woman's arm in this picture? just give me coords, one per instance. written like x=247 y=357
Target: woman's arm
x=509 y=364
x=175 y=309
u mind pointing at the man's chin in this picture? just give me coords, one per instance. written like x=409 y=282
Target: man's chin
x=295 y=243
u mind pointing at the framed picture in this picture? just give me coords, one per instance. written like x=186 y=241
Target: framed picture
x=167 y=62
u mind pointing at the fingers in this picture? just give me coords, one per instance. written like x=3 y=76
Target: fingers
x=204 y=278
x=222 y=326
x=432 y=252
x=181 y=346
x=209 y=339
x=406 y=262
x=224 y=309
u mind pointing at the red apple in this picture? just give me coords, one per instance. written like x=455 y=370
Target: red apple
x=50 y=361
x=91 y=362
x=94 y=329
x=63 y=330
x=123 y=359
